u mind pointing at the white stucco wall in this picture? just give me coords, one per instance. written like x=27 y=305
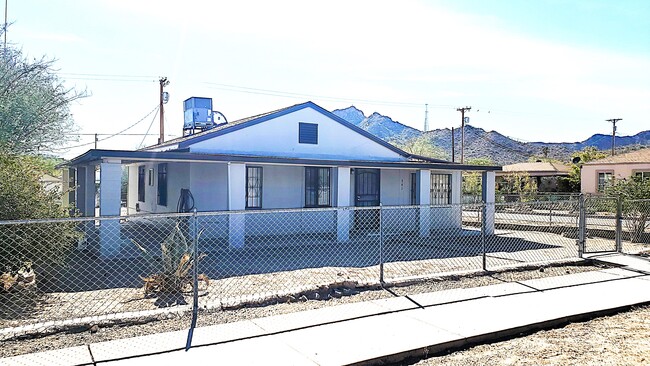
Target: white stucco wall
x=589 y=173
x=209 y=186
x=178 y=176
x=283 y=186
x=279 y=137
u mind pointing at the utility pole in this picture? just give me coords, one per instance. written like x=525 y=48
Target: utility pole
x=426 y=117
x=613 y=121
x=462 y=132
x=453 y=147
x=96 y=140
x=163 y=83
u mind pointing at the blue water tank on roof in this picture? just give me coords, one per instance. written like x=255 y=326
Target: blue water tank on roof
x=198 y=113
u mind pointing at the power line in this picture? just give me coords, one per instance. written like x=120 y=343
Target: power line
x=279 y=93
x=112 y=135
x=148 y=129
x=107 y=75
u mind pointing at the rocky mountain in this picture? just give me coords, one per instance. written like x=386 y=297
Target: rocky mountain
x=484 y=144
x=381 y=126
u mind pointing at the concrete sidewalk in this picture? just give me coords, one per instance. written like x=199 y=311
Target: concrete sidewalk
x=386 y=330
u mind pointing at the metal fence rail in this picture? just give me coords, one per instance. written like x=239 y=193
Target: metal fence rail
x=87 y=270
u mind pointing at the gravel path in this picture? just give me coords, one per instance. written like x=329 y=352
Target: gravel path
x=621 y=339
x=83 y=335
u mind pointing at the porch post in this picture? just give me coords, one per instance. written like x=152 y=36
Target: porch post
x=343 y=213
x=487 y=188
x=236 y=202
x=110 y=174
x=457 y=199
x=424 y=200
x=85 y=192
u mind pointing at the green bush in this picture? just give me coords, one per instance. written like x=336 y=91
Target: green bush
x=22 y=197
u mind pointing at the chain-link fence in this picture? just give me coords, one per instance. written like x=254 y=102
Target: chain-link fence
x=69 y=272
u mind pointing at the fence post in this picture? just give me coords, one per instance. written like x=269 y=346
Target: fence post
x=483 y=239
x=619 y=224
x=195 y=279
x=582 y=225
x=381 y=246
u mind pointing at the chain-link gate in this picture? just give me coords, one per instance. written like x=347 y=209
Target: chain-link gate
x=602 y=218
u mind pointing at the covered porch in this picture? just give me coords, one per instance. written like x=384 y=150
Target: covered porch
x=303 y=197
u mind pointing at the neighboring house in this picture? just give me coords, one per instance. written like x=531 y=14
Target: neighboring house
x=546 y=174
x=595 y=175
x=298 y=157
x=50 y=183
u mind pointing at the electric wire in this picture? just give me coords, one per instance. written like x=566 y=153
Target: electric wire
x=148 y=129
x=113 y=135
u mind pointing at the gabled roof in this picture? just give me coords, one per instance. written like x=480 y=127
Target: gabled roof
x=186 y=141
x=538 y=168
x=639 y=156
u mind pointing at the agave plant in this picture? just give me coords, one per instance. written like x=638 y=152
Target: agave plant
x=174 y=276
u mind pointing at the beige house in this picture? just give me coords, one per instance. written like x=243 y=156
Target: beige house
x=595 y=175
x=545 y=174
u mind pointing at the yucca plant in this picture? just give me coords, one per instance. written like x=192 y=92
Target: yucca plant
x=174 y=276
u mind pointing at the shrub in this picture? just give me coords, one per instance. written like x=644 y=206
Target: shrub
x=22 y=197
x=174 y=275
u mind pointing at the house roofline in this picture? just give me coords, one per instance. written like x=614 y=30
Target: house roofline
x=238 y=126
x=94 y=156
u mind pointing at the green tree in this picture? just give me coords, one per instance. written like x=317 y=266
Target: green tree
x=587 y=154
x=34 y=105
x=418 y=145
x=635 y=195
x=23 y=197
x=472 y=180
x=518 y=184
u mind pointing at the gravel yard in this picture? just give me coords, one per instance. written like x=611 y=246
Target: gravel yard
x=86 y=334
x=621 y=339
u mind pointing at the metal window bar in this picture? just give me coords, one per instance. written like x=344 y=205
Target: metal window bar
x=254 y=187
x=440 y=189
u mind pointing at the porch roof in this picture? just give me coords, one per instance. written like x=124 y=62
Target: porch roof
x=95 y=156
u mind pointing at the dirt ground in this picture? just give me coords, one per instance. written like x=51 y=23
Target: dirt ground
x=621 y=339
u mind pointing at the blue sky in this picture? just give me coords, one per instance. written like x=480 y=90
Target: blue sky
x=544 y=70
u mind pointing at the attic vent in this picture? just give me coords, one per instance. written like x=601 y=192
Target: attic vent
x=307 y=133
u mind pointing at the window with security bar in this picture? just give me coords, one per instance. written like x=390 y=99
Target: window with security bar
x=604 y=179
x=141 y=183
x=162 y=184
x=254 y=187
x=440 y=189
x=317 y=187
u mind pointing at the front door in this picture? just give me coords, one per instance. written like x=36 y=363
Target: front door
x=366 y=194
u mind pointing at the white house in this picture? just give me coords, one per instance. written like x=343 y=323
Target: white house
x=299 y=157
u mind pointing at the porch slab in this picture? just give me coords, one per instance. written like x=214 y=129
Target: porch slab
x=66 y=356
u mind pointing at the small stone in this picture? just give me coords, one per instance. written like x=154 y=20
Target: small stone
x=94 y=329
